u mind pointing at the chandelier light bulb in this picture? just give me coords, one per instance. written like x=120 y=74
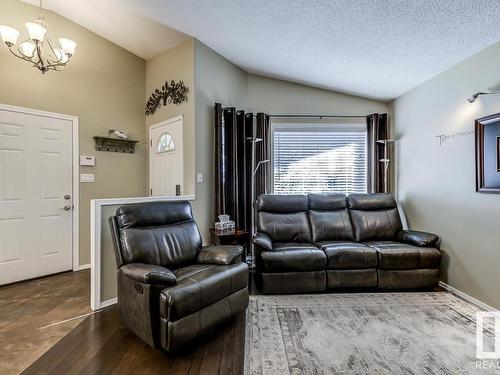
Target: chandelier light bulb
x=36 y=31
x=27 y=48
x=68 y=46
x=9 y=34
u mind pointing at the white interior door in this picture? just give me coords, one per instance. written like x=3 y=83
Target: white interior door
x=166 y=166
x=35 y=177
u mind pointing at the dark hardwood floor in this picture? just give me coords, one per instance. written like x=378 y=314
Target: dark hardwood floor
x=36 y=314
x=101 y=344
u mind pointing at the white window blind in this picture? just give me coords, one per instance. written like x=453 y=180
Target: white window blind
x=322 y=158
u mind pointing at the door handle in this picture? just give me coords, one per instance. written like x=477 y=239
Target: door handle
x=67 y=208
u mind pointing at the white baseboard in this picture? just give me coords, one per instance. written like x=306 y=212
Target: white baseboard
x=466 y=297
x=108 y=303
x=82 y=267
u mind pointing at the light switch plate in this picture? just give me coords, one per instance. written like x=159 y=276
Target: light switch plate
x=199 y=177
x=86 y=160
x=87 y=177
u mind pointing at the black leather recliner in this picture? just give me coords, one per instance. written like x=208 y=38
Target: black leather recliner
x=325 y=241
x=170 y=289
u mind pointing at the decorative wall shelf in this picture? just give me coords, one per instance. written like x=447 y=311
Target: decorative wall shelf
x=115 y=145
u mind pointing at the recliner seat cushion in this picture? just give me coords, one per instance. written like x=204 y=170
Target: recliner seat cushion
x=374 y=216
x=394 y=255
x=292 y=257
x=199 y=286
x=348 y=255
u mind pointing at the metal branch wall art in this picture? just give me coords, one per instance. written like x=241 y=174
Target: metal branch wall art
x=170 y=93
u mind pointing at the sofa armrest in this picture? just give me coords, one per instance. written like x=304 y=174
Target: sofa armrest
x=413 y=237
x=220 y=254
x=263 y=241
x=149 y=274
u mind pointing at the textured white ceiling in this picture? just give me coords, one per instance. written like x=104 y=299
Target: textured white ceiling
x=373 y=48
x=115 y=21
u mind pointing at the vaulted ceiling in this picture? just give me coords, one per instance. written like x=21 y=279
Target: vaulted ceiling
x=372 y=48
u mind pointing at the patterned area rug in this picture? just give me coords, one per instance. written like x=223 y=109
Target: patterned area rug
x=376 y=333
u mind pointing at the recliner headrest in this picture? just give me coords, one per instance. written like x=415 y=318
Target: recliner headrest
x=378 y=201
x=327 y=201
x=282 y=203
x=152 y=214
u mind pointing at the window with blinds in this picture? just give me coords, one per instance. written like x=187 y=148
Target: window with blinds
x=324 y=158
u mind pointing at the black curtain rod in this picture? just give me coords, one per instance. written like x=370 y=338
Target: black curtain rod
x=308 y=116
x=318 y=116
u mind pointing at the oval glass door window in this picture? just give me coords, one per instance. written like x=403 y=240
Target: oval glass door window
x=165 y=143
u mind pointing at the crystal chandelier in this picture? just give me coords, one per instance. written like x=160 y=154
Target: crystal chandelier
x=38 y=49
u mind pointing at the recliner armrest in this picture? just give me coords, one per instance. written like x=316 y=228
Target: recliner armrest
x=220 y=254
x=262 y=240
x=413 y=237
x=149 y=274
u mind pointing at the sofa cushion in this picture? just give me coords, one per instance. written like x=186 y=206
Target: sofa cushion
x=289 y=257
x=374 y=216
x=329 y=218
x=199 y=286
x=284 y=217
x=348 y=255
x=289 y=227
x=394 y=255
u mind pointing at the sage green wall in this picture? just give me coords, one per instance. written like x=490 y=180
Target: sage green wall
x=217 y=80
x=280 y=97
x=436 y=183
x=176 y=64
x=103 y=85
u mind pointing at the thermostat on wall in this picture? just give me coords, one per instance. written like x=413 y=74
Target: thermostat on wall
x=88 y=161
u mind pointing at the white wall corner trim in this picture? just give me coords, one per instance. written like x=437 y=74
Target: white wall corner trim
x=75 y=171
x=466 y=297
x=95 y=240
x=82 y=267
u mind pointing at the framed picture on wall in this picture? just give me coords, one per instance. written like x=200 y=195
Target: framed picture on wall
x=487 y=132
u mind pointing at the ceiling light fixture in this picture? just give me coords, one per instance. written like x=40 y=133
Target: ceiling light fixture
x=32 y=49
x=473 y=98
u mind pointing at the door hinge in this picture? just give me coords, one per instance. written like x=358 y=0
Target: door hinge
x=150 y=143
x=151 y=190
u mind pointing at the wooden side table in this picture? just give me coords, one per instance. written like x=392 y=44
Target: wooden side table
x=239 y=237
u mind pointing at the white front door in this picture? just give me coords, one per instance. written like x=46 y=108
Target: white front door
x=166 y=166
x=35 y=188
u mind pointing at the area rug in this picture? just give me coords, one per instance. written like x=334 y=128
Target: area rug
x=358 y=333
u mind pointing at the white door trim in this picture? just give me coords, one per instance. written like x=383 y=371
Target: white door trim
x=151 y=127
x=75 y=173
x=95 y=240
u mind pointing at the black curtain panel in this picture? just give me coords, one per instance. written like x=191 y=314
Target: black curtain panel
x=234 y=139
x=262 y=154
x=377 y=129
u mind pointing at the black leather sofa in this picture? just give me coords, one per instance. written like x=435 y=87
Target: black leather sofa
x=170 y=289
x=318 y=242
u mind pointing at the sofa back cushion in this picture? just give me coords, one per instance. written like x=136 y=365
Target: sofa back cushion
x=283 y=217
x=374 y=216
x=329 y=217
x=159 y=233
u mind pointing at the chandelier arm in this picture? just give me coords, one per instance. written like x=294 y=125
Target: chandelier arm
x=21 y=55
x=41 y=64
x=58 y=64
x=54 y=54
